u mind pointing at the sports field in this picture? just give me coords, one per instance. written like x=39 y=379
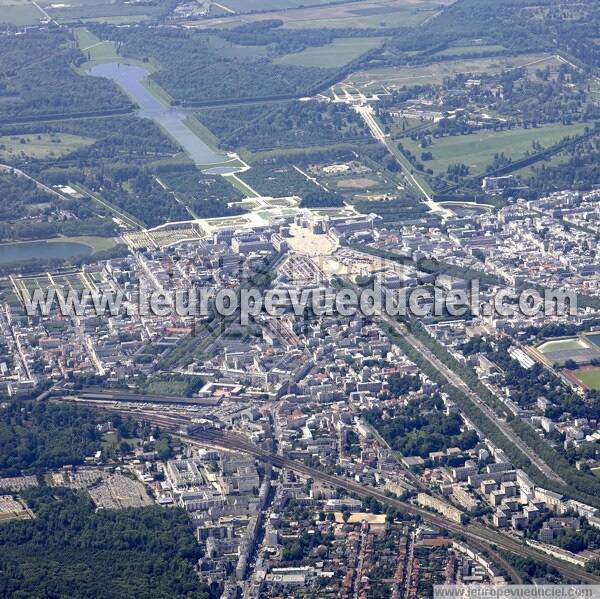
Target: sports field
x=590 y=377
x=550 y=347
x=334 y=55
x=478 y=149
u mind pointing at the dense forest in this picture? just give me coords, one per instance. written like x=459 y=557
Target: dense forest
x=116 y=138
x=26 y=212
x=195 y=72
x=70 y=550
x=278 y=181
x=38 y=435
x=297 y=124
x=207 y=195
x=36 y=72
x=579 y=170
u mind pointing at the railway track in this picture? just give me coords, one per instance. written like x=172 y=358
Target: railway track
x=478 y=534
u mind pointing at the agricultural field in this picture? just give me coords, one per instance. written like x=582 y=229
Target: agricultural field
x=244 y=6
x=477 y=150
x=101 y=11
x=334 y=55
x=368 y=14
x=437 y=72
x=19 y=13
x=404 y=16
x=41 y=145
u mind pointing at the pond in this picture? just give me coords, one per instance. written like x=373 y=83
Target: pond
x=42 y=250
x=130 y=78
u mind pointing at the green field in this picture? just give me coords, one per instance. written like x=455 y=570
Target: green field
x=98 y=244
x=103 y=11
x=589 y=377
x=406 y=17
x=257 y=5
x=19 y=13
x=325 y=14
x=437 y=72
x=478 y=149
x=529 y=171
x=334 y=55
x=41 y=145
x=93 y=47
x=470 y=50
x=230 y=50
x=117 y=20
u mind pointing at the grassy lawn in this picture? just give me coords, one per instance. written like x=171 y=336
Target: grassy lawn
x=166 y=388
x=98 y=244
x=117 y=20
x=110 y=440
x=589 y=377
x=207 y=136
x=42 y=145
x=231 y=50
x=477 y=150
x=333 y=55
x=241 y=186
x=469 y=50
x=93 y=47
x=529 y=171
x=98 y=50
